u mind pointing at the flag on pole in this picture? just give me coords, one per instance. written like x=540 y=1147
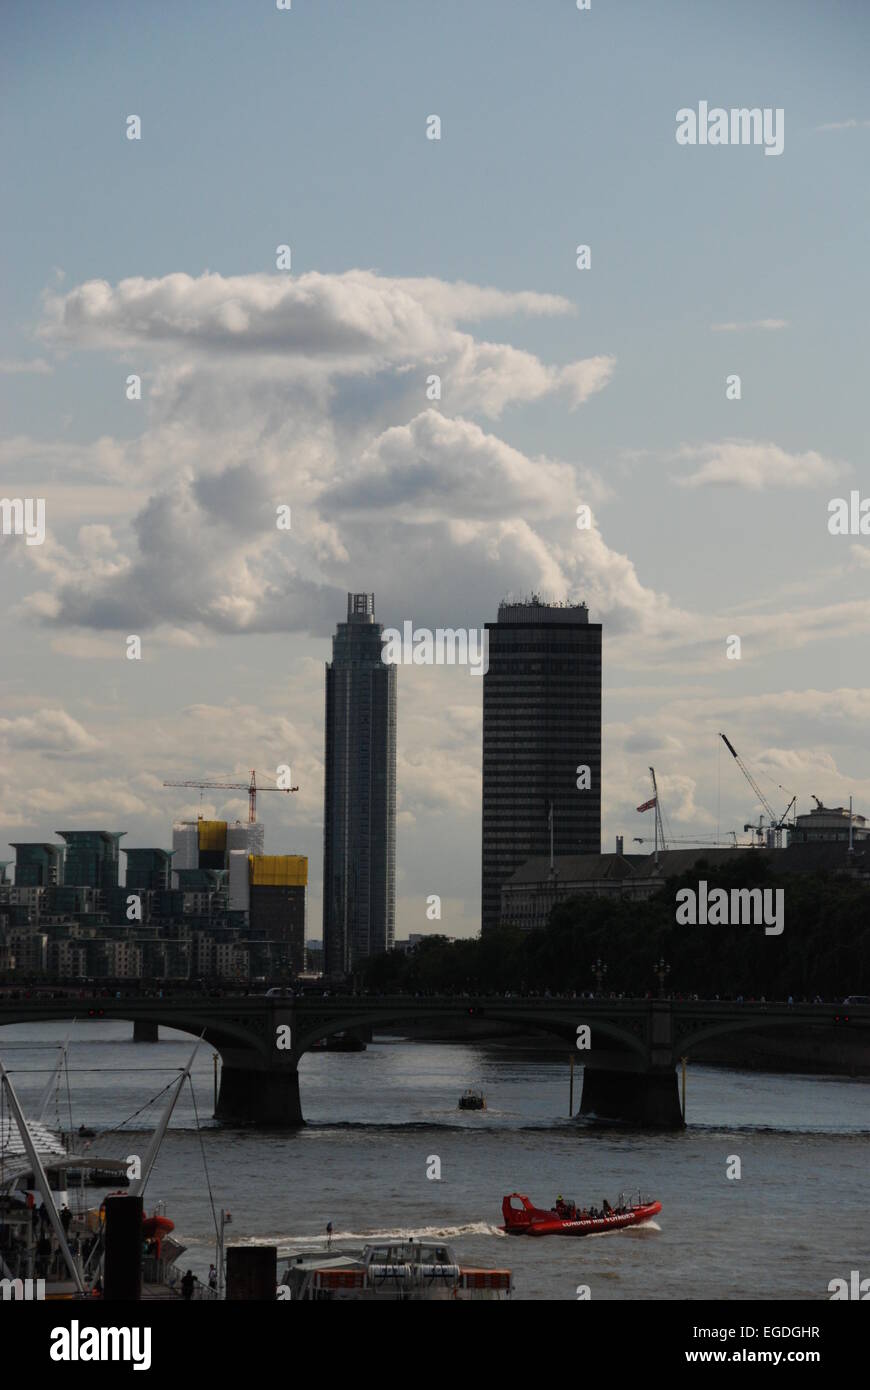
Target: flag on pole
x=647 y=805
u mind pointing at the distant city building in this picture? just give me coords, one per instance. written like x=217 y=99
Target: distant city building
x=410 y=943
x=827 y=823
x=534 y=889
x=28 y=951
x=38 y=865
x=233 y=913
x=359 y=838
x=278 y=884
x=185 y=848
x=211 y=844
x=91 y=857
x=541 y=726
x=148 y=869
x=314 y=957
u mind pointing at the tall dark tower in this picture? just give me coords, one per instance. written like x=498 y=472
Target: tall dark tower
x=541 y=722
x=359 y=830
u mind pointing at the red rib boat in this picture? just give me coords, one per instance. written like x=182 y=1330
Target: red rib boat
x=566 y=1220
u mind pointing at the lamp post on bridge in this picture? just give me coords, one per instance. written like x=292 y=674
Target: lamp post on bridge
x=663 y=970
x=600 y=968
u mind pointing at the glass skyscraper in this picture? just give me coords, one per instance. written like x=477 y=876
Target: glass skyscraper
x=92 y=858
x=541 y=723
x=38 y=865
x=359 y=832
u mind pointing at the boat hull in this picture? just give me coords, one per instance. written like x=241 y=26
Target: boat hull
x=533 y=1221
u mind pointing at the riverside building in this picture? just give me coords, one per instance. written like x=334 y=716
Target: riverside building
x=359 y=832
x=541 y=726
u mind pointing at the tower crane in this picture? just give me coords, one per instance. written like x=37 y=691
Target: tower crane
x=250 y=787
x=685 y=840
x=775 y=823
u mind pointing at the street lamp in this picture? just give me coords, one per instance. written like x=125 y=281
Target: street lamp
x=663 y=970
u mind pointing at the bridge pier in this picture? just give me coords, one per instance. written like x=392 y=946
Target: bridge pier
x=145 y=1031
x=648 y=1098
x=268 y=1097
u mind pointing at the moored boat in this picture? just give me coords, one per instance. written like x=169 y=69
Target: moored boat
x=403 y=1271
x=565 y=1219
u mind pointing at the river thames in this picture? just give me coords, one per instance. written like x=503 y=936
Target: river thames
x=794 y=1220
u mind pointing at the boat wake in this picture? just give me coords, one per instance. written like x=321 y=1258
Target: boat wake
x=288 y=1244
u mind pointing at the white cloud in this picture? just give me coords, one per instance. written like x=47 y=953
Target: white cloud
x=49 y=731
x=850 y=124
x=769 y=324
x=347 y=316
x=438 y=467
x=36 y=366
x=755 y=466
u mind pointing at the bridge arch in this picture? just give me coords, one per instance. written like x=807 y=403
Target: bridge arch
x=560 y=1025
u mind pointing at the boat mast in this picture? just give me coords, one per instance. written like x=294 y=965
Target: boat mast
x=40 y=1176
x=50 y=1083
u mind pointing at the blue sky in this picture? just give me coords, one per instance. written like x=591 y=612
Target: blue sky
x=307 y=127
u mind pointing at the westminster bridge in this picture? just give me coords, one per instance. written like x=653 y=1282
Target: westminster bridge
x=629 y=1049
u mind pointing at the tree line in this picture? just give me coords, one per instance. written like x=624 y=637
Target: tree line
x=824 y=948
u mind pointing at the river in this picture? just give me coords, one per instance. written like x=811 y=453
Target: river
x=795 y=1219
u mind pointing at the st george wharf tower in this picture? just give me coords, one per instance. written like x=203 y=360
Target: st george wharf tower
x=359 y=824
x=541 y=723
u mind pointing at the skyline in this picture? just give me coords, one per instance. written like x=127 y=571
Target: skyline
x=308 y=388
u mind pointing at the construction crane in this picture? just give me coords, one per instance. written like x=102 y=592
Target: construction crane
x=250 y=787
x=686 y=840
x=654 y=803
x=775 y=823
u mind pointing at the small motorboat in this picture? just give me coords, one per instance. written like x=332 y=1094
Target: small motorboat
x=565 y=1219
x=339 y=1042
x=472 y=1100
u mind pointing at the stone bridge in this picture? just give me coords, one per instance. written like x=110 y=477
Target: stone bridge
x=629 y=1066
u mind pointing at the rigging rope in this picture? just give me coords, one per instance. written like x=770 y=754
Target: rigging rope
x=202 y=1151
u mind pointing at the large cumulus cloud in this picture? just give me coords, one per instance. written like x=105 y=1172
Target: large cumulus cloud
x=313 y=393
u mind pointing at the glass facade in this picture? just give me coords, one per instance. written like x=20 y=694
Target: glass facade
x=91 y=857
x=38 y=865
x=541 y=723
x=148 y=869
x=359 y=850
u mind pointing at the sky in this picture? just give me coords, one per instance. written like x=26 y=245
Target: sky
x=307 y=388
